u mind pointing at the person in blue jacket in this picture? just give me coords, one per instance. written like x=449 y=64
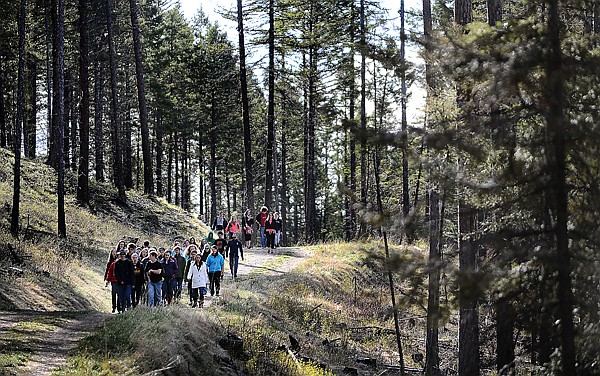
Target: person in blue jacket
x=215 y=263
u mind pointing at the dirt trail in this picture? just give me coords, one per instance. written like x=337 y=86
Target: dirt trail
x=258 y=261
x=46 y=350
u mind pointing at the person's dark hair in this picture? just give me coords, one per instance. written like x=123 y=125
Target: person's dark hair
x=130 y=245
x=146 y=243
x=264 y=209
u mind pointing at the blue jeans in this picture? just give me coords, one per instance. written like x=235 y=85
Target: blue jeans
x=263 y=239
x=233 y=265
x=154 y=293
x=124 y=292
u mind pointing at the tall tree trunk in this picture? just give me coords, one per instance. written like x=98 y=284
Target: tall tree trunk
x=55 y=142
x=505 y=348
x=228 y=189
x=213 y=157
x=67 y=117
x=83 y=190
x=270 y=110
x=14 y=219
x=404 y=97
x=49 y=88
x=555 y=119
x=284 y=187
x=141 y=88
x=352 y=115
x=116 y=123
x=2 y=110
x=201 y=174
x=432 y=359
x=363 y=112
x=98 y=118
x=74 y=109
x=387 y=256
x=170 y=170
x=468 y=334
x=176 y=155
x=310 y=208
x=60 y=109
x=185 y=188
x=31 y=133
x=245 y=112
x=494 y=11
x=128 y=129
x=159 y=155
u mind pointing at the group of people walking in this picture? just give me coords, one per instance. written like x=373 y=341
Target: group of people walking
x=141 y=274
x=268 y=223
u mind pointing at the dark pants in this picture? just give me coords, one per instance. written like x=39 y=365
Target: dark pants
x=167 y=289
x=124 y=292
x=198 y=295
x=270 y=239
x=178 y=287
x=114 y=291
x=136 y=294
x=215 y=282
x=233 y=265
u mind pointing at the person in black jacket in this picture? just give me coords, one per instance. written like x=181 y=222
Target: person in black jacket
x=270 y=229
x=138 y=280
x=124 y=276
x=179 y=274
x=235 y=252
x=278 y=228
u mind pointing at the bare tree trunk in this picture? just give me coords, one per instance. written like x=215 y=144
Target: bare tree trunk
x=60 y=41
x=213 y=157
x=201 y=173
x=363 y=112
x=405 y=172
x=170 y=170
x=74 y=118
x=159 y=156
x=30 y=131
x=176 y=156
x=55 y=142
x=494 y=8
x=2 y=110
x=49 y=88
x=270 y=110
x=128 y=128
x=116 y=123
x=245 y=112
x=98 y=111
x=83 y=190
x=141 y=88
x=352 y=115
x=67 y=117
x=14 y=218
x=389 y=271
x=555 y=119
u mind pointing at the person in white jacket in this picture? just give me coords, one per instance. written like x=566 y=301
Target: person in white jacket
x=198 y=277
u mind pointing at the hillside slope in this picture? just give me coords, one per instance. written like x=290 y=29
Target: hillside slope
x=44 y=272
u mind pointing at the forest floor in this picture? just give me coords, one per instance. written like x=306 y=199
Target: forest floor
x=39 y=342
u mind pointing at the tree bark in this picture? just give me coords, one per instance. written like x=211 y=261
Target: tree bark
x=66 y=118
x=351 y=135
x=74 y=118
x=83 y=190
x=505 y=347
x=98 y=118
x=245 y=112
x=270 y=110
x=128 y=129
x=363 y=112
x=49 y=87
x=115 y=119
x=432 y=366
x=29 y=121
x=213 y=157
x=176 y=156
x=403 y=100
x=3 y=132
x=159 y=155
x=14 y=219
x=55 y=142
x=494 y=11
x=170 y=170
x=555 y=119
x=60 y=69
x=141 y=88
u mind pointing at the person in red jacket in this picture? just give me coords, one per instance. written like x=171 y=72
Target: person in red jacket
x=112 y=279
x=261 y=217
